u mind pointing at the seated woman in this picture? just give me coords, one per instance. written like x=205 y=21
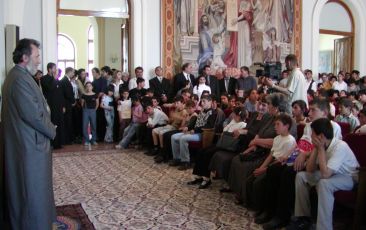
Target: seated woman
x=243 y=165
x=221 y=160
x=202 y=161
x=298 y=111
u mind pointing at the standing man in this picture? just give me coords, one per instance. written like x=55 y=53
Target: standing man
x=211 y=81
x=100 y=85
x=296 y=84
x=28 y=128
x=179 y=81
x=245 y=83
x=69 y=104
x=227 y=83
x=159 y=84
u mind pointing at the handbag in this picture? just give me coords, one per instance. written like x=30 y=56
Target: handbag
x=228 y=142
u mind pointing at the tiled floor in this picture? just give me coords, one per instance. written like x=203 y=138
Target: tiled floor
x=126 y=190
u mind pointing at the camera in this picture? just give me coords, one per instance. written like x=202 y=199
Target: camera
x=271 y=70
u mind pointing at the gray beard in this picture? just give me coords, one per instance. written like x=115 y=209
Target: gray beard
x=31 y=68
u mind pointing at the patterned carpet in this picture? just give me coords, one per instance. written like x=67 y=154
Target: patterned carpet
x=126 y=190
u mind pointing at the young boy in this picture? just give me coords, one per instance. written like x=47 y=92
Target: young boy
x=283 y=146
x=176 y=119
x=281 y=206
x=331 y=167
x=187 y=124
x=206 y=119
x=107 y=105
x=346 y=115
x=139 y=118
x=157 y=118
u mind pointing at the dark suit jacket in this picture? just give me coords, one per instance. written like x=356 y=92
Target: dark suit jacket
x=214 y=85
x=47 y=86
x=159 y=88
x=231 y=87
x=68 y=92
x=179 y=82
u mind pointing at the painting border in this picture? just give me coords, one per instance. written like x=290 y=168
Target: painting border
x=167 y=10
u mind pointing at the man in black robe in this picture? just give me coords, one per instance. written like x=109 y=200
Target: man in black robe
x=28 y=130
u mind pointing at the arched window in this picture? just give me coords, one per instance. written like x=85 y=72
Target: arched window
x=66 y=52
x=90 y=49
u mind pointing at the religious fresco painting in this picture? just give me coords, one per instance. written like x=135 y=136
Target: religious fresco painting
x=231 y=33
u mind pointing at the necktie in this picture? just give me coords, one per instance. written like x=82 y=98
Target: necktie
x=208 y=80
x=226 y=84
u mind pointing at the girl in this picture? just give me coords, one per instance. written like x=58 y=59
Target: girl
x=89 y=103
x=107 y=105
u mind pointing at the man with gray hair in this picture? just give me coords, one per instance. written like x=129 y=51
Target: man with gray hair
x=28 y=128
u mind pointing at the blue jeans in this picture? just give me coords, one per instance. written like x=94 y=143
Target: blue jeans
x=180 y=148
x=89 y=115
x=128 y=134
x=109 y=117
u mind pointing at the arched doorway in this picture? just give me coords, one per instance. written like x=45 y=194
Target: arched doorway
x=336 y=38
x=110 y=22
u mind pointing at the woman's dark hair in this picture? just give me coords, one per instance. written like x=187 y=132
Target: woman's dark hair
x=96 y=70
x=301 y=104
x=284 y=119
x=323 y=126
x=242 y=112
x=24 y=48
x=195 y=97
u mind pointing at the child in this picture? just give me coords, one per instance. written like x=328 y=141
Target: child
x=331 y=167
x=346 y=115
x=139 y=118
x=283 y=146
x=176 y=119
x=124 y=110
x=89 y=103
x=107 y=105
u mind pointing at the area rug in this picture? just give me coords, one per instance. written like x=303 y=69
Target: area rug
x=72 y=217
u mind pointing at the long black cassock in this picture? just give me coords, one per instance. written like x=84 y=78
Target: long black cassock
x=28 y=161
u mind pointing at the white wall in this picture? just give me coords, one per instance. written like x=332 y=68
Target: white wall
x=113 y=42
x=311 y=12
x=146 y=40
x=335 y=17
x=2 y=44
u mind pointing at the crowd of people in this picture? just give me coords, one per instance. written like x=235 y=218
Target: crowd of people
x=257 y=150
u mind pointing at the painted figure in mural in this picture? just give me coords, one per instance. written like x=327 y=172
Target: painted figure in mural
x=205 y=43
x=216 y=13
x=271 y=47
x=244 y=22
x=185 y=16
x=279 y=19
x=218 y=51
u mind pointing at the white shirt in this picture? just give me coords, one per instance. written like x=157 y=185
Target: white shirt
x=198 y=89
x=337 y=132
x=340 y=86
x=106 y=100
x=341 y=159
x=124 y=108
x=157 y=118
x=233 y=125
x=361 y=130
x=116 y=88
x=282 y=145
x=313 y=86
x=296 y=84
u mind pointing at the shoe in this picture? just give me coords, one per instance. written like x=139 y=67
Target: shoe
x=300 y=223
x=118 y=147
x=225 y=190
x=184 y=166
x=159 y=159
x=174 y=163
x=274 y=223
x=262 y=218
x=205 y=184
x=195 y=181
x=153 y=152
x=86 y=143
x=94 y=143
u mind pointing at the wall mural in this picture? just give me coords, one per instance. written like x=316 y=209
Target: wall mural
x=229 y=33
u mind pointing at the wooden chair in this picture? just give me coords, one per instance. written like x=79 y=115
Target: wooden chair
x=345 y=128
